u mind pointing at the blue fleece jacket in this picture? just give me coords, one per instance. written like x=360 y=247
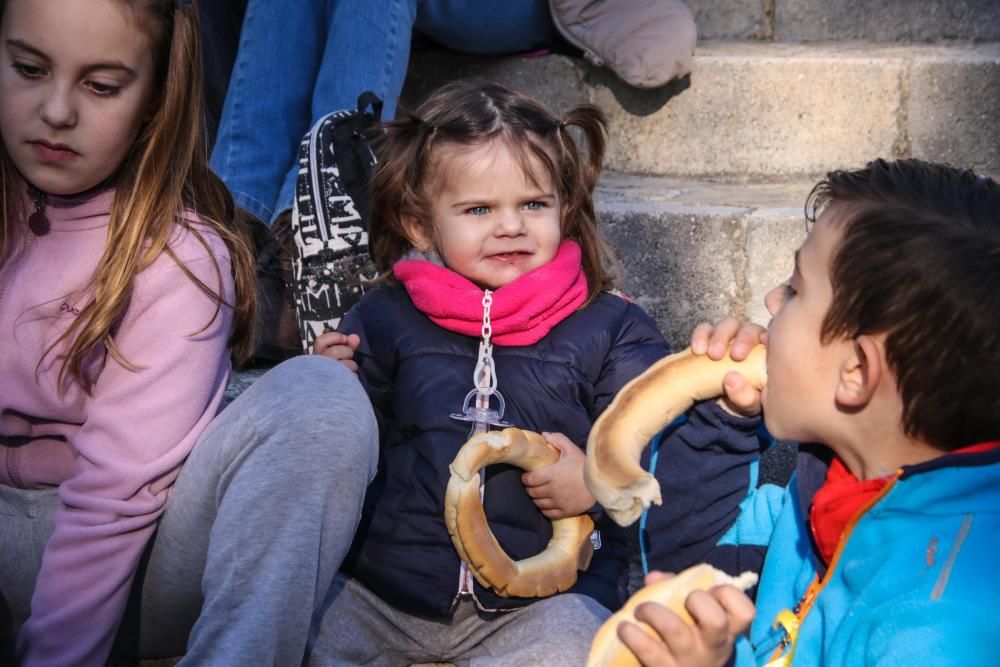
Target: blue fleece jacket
x=914 y=581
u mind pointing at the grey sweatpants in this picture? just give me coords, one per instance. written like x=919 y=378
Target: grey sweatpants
x=253 y=533
x=358 y=628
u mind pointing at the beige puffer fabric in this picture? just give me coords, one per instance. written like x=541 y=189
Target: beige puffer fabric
x=645 y=42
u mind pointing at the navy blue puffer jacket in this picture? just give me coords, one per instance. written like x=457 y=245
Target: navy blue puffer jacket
x=417 y=374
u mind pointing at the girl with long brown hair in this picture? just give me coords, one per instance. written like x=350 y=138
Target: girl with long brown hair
x=125 y=288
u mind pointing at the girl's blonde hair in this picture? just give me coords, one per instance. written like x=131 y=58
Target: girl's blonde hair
x=476 y=112
x=165 y=172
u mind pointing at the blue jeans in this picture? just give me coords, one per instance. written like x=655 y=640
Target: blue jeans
x=300 y=60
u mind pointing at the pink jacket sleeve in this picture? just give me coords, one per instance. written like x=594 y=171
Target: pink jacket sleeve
x=140 y=425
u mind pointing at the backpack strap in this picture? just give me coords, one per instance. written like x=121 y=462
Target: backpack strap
x=330 y=260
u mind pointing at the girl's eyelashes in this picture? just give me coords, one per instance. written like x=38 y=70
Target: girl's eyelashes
x=32 y=72
x=27 y=70
x=533 y=205
x=787 y=291
x=103 y=89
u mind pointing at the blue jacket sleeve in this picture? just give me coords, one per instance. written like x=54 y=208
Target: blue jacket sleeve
x=705 y=464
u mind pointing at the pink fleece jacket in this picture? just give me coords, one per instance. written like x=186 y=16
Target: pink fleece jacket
x=115 y=452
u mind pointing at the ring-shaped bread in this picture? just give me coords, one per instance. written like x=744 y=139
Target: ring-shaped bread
x=544 y=574
x=640 y=410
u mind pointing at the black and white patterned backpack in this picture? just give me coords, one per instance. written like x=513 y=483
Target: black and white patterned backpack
x=330 y=217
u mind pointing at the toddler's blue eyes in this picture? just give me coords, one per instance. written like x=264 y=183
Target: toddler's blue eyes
x=478 y=210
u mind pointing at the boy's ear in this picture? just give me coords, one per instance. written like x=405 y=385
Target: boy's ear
x=415 y=232
x=860 y=374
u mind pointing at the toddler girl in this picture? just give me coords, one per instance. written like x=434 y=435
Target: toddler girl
x=483 y=220
x=124 y=287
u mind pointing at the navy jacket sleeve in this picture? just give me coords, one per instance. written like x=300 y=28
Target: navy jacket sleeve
x=373 y=369
x=637 y=346
x=705 y=467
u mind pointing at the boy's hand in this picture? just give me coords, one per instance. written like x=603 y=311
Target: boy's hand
x=558 y=490
x=338 y=347
x=720 y=615
x=713 y=339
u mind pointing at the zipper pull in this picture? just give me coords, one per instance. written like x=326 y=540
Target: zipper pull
x=38 y=223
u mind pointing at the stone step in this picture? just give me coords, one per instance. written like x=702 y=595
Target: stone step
x=695 y=251
x=812 y=20
x=767 y=110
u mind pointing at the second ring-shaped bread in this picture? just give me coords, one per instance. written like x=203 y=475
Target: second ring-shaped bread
x=542 y=575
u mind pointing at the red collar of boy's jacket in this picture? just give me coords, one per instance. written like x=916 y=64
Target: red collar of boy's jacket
x=843 y=495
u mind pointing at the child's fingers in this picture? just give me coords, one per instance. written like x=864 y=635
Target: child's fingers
x=650 y=651
x=724 y=332
x=538 y=491
x=700 y=337
x=554 y=513
x=678 y=636
x=740 y=396
x=655 y=576
x=737 y=605
x=353 y=341
x=710 y=618
x=351 y=364
x=327 y=340
x=561 y=442
x=537 y=477
x=337 y=352
x=747 y=337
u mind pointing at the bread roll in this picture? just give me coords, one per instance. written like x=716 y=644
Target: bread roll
x=552 y=571
x=642 y=409
x=609 y=651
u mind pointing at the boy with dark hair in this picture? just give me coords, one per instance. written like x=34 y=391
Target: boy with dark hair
x=884 y=346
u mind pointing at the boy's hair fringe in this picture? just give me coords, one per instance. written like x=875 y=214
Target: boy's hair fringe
x=919 y=262
x=474 y=112
x=165 y=172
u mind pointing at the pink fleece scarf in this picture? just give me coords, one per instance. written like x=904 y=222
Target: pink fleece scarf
x=523 y=310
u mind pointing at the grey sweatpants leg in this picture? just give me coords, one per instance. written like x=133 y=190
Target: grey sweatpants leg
x=260 y=518
x=358 y=628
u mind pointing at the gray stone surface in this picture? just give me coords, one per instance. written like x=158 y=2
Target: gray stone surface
x=555 y=80
x=773 y=236
x=954 y=110
x=695 y=251
x=729 y=19
x=887 y=20
x=764 y=110
x=753 y=111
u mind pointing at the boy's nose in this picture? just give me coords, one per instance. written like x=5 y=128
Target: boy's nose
x=58 y=109
x=774 y=299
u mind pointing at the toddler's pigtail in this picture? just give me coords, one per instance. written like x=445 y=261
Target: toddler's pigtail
x=580 y=171
x=594 y=125
x=403 y=151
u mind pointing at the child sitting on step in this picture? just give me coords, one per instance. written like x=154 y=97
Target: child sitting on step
x=125 y=288
x=482 y=191
x=884 y=349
